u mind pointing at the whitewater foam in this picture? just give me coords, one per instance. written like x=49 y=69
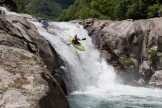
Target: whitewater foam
x=86 y=73
x=85 y=68
x=89 y=71
x=89 y=77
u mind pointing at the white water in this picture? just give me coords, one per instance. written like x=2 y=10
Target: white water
x=83 y=69
x=88 y=77
x=86 y=73
x=4 y=11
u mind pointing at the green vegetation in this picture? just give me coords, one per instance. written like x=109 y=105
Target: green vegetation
x=152 y=50
x=154 y=56
x=63 y=10
x=49 y=9
x=126 y=61
x=5 y=88
x=112 y=9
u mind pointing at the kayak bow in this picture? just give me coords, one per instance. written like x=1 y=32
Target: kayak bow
x=77 y=46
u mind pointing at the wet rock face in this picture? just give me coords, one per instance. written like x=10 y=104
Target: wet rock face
x=156 y=79
x=127 y=44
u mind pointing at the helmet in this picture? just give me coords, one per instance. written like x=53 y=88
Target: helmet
x=75 y=36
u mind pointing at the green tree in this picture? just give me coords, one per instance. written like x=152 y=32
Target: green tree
x=136 y=9
x=20 y=6
x=120 y=10
x=49 y=9
x=153 y=10
x=84 y=13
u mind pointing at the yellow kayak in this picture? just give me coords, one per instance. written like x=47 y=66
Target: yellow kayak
x=77 y=46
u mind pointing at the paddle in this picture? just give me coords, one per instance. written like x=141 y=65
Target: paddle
x=83 y=39
x=80 y=40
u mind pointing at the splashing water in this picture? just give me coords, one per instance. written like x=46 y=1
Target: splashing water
x=4 y=11
x=83 y=69
x=89 y=79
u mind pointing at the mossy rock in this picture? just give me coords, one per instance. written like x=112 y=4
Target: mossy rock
x=126 y=61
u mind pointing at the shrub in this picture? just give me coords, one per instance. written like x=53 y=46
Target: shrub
x=126 y=61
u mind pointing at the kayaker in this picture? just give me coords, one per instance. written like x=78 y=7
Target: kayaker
x=75 y=40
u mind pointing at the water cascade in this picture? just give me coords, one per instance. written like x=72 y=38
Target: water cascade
x=89 y=79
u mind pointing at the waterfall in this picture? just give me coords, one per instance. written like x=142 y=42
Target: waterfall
x=89 y=79
x=82 y=68
x=87 y=75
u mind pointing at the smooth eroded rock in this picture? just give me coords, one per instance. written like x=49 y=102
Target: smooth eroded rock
x=25 y=81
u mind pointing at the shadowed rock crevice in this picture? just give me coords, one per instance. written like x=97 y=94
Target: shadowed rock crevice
x=53 y=98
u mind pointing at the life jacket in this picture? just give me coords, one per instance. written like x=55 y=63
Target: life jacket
x=75 y=39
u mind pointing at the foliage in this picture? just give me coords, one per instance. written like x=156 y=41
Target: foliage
x=153 y=10
x=126 y=61
x=49 y=9
x=113 y=9
x=153 y=56
x=160 y=11
x=20 y=5
x=82 y=9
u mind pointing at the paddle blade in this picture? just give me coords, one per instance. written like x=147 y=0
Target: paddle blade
x=84 y=39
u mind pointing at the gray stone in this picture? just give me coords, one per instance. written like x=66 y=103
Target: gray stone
x=159 y=42
x=26 y=82
x=141 y=81
x=144 y=66
x=156 y=79
x=20 y=27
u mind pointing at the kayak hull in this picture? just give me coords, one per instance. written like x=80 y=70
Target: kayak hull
x=80 y=47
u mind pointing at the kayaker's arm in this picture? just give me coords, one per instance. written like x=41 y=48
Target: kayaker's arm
x=79 y=40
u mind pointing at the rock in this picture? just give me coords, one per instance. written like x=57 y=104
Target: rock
x=143 y=67
x=159 y=42
x=21 y=28
x=8 y=40
x=156 y=79
x=25 y=81
x=14 y=99
x=141 y=82
x=160 y=64
x=61 y=82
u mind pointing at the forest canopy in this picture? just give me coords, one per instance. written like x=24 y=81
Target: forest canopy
x=65 y=10
x=112 y=9
x=49 y=9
